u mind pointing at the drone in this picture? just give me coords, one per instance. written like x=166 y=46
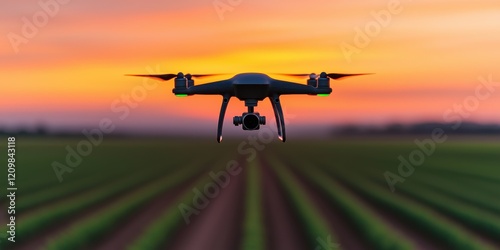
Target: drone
x=251 y=88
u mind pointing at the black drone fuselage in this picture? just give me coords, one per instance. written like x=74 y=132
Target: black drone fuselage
x=251 y=88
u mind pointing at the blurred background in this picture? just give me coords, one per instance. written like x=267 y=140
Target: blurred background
x=404 y=158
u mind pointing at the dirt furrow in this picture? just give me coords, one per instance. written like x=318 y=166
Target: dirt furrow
x=219 y=225
x=130 y=229
x=420 y=238
x=283 y=228
x=44 y=237
x=345 y=231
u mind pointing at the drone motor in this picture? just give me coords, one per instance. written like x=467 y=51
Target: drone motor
x=180 y=82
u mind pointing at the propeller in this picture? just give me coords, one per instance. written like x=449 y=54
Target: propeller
x=334 y=76
x=203 y=75
x=167 y=77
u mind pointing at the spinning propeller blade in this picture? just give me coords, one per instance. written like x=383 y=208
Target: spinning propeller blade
x=164 y=77
x=295 y=75
x=205 y=75
x=338 y=75
x=334 y=76
x=167 y=77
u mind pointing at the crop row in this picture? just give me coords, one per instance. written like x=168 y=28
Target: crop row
x=466 y=182
x=465 y=212
x=468 y=194
x=66 y=189
x=34 y=221
x=417 y=214
x=484 y=169
x=96 y=226
x=377 y=233
x=253 y=231
x=35 y=172
x=450 y=200
x=480 y=191
x=309 y=216
x=160 y=232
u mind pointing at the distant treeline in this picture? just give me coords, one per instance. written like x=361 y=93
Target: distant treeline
x=466 y=128
x=41 y=131
x=38 y=131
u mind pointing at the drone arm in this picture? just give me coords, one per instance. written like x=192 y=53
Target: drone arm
x=214 y=88
x=225 y=102
x=278 y=114
x=289 y=88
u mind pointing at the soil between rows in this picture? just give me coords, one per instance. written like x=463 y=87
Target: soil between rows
x=219 y=225
x=44 y=237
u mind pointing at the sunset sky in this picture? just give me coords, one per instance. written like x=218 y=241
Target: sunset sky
x=427 y=57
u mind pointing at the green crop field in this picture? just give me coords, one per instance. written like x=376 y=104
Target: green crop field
x=348 y=193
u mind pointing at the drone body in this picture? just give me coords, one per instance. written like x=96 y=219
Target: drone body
x=251 y=88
